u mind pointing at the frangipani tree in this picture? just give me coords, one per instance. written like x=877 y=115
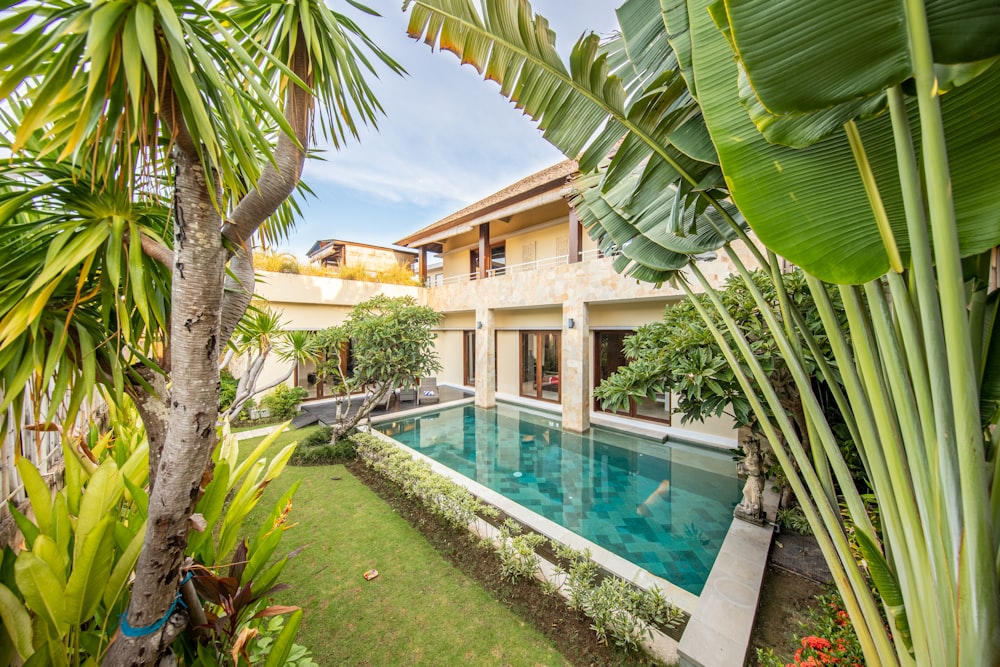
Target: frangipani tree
x=856 y=138
x=205 y=110
x=391 y=343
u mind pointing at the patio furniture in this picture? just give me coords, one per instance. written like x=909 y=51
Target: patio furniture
x=408 y=394
x=427 y=392
x=384 y=402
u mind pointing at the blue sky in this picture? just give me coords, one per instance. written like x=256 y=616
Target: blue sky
x=448 y=138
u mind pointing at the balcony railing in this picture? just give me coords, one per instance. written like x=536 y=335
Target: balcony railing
x=510 y=269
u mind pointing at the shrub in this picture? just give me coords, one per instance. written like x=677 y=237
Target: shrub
x=826 y=636
x=616 y=607
x=397 y=275
x=318 y=438
x=441 y=496
x=794 y=519
x=227 y=389
x=284 y=401
x=354 y=272
x=517 y=551
x=317 y=450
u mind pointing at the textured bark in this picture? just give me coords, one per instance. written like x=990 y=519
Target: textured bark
x=278 y=180
x=239 y=287
x=196 y=300
x=155 y=413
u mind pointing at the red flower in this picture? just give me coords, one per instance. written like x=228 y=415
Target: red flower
x=816 y=643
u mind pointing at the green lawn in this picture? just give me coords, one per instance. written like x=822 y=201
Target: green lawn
x=419 y=611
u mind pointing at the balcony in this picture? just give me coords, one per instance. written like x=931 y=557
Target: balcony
x=514 y=269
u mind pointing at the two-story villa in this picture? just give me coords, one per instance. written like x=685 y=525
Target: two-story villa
x=532 y=310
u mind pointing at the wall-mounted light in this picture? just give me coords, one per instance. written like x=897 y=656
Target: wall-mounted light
x=570 y=323
x=479 y=325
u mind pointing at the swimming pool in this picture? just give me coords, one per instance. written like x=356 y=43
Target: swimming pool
x=665 y=507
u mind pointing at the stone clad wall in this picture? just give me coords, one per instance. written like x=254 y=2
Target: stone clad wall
x=573 y=289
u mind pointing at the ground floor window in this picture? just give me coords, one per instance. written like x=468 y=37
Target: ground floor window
x=540 y=365
x=469 y=358
x=608 y=356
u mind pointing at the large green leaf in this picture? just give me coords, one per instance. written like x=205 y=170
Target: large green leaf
x=809 y=205
x=38 y=492
x=43 y=594
x=90 y=573
x=117 y=581
x=808 y=55
x=103 y=490
x=16 y=622
x=648 y=203
x=989 y=390
x=283 y=644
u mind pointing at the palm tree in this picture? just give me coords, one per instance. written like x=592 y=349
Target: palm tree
x=854 y=140
x=259 y=333
x=212 y=104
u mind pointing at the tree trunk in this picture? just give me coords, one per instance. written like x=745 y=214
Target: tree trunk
x=194 y=355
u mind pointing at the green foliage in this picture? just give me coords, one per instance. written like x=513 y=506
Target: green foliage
x=283 y=401
x=264 y=642
x=227 y=389
x=793 y=518
x=441 y=496
x=341 y=451
x=826 y=636
x=235 y=577
x=317 y=438
x=61 y=596
x=679 y=354
x=392 y=345
x=615 y=607
x=517 y=551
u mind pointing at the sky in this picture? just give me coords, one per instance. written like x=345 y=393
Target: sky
x=448 y=138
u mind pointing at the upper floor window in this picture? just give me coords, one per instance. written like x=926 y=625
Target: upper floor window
x=498 y=260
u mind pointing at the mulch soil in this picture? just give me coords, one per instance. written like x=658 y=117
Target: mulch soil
x=568 y=630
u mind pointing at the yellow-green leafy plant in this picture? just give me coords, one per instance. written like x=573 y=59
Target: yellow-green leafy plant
x=61 y=594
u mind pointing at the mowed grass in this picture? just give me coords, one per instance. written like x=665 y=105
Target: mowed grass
x=420 y=610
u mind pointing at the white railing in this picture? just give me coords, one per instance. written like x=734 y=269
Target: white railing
x=40 y=446
x=510 y=269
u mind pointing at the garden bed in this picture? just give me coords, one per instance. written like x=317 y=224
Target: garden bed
x=568 y=630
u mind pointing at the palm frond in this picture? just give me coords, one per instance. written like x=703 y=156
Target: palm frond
x=624 y=98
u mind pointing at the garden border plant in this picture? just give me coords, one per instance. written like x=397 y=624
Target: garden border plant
x=615 y=607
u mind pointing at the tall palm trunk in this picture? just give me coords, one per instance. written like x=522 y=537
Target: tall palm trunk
x=196 y=304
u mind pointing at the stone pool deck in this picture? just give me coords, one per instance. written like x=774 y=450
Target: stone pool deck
x=721 y=618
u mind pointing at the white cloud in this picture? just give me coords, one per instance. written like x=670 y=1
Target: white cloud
x=448 y=138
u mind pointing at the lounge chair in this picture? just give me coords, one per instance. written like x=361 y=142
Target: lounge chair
x=407 y=394
x=384 y=403
x=427 y=392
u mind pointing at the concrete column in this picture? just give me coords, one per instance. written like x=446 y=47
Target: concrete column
x=486 y=354
x=575 y=236
x=575 y=372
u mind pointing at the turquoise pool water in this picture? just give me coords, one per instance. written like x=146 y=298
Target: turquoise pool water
x=665 y=507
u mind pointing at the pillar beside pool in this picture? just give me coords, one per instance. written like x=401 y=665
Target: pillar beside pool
x=486 y=354
x=575 y=372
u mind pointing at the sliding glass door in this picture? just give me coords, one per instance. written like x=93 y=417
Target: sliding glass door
x=540 y=365
x=608 y=356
